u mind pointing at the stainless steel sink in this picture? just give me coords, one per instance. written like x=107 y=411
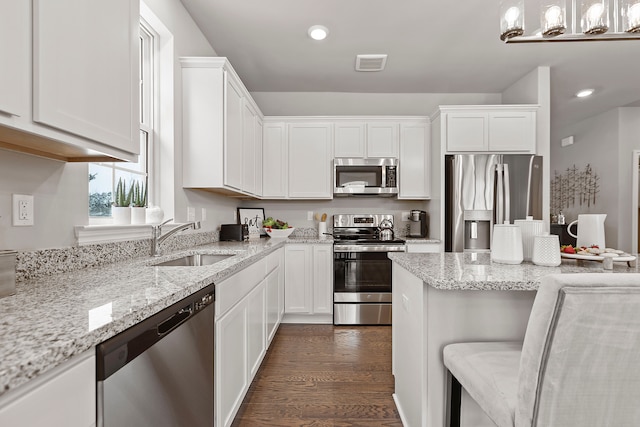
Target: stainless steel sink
x=194 y=260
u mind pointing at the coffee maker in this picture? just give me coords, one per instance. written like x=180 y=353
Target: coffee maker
x=418 y=226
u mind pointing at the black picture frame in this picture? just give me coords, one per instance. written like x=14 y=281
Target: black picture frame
x=253 y=217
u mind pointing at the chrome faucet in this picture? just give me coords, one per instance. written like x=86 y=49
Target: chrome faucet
x=157 y=237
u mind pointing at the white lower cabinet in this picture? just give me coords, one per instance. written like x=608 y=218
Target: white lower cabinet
x=308 y=283
x=63 y=397
x=246 y=319
x=275 y=293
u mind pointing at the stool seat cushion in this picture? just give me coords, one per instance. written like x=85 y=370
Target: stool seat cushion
x=488 y=371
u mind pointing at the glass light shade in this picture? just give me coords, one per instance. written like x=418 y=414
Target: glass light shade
x=553 y=18
x=511 y=19
x=630 y=10
x=594 y=16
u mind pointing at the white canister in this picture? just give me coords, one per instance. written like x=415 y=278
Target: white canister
x=529 y=228
x=322 y=230
x=506 y=244
x=546 y=250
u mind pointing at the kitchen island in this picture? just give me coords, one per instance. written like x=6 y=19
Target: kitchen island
x=444 y=298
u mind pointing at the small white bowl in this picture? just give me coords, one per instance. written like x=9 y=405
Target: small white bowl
x=277 y=233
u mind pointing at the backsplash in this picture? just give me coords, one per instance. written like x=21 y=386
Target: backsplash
x=44 y=262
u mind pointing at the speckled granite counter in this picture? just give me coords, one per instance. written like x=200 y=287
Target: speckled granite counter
x=475 y=271
x=55 y=317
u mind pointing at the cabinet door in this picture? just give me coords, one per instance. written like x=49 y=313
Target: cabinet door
x=310 y=161
x=297 y=290
x=248 y=149
x=323 y=279
x=382 y=140
x=512 y=131
x=64 y=397
x=274 y=154
x=15 y=22
x=466 y=131
x=85 y=69
x=349 y=140
x=233 y=151
x=273 y=303
x=256 y=327
x=258 y=154
x=231 y=378
x=415 y=162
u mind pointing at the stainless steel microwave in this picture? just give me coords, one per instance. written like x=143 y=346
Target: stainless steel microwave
x=375 y=177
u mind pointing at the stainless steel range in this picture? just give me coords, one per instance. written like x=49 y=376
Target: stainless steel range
x=361 y=268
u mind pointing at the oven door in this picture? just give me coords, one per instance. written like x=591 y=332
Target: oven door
x=356 y=273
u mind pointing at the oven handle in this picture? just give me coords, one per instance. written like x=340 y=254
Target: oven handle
x=361 y=248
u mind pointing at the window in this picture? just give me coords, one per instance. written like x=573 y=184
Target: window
x=104 y=177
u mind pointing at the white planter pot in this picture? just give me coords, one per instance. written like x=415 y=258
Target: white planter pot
x=138 y=215
x=121 y=215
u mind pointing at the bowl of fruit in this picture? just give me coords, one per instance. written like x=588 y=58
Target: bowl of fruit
x=276 y=228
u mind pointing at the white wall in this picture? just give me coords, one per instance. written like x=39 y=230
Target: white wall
x=606 y=142
x=61 y=200
x=338 y=103
x=295 y=212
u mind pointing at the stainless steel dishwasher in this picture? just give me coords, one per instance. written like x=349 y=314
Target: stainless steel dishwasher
x=160 y=372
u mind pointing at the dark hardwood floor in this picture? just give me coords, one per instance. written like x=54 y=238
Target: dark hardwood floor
x=323 y=375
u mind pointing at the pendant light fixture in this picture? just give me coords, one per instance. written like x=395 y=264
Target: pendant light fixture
x=572 y=20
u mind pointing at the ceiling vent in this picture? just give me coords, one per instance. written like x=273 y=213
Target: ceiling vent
x=370 y=62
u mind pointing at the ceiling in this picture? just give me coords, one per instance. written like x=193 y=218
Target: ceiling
x=432 y=47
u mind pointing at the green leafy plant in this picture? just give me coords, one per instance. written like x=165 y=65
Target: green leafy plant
x=122 y=197
x=138 y=195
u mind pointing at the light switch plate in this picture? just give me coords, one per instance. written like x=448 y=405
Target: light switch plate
x=22 y=210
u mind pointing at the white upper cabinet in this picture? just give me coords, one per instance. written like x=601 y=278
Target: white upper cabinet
x=69 y=81
x=14 y=49
x=233 y=139
x=349 y=139
x=370 y=139
x=310 y=158
x=90 y=88
x=249 y=149
x=502 y=128
x=415 y=159
x=382 y=140
x=274 y=161
x=222 y=129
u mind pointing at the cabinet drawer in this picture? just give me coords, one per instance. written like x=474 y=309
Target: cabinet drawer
x=233 y=289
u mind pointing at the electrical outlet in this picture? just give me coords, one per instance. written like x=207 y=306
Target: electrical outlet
x=309 y=215
x=191 y=213
x=22 y=210
x=204 y=214
x=405 y=216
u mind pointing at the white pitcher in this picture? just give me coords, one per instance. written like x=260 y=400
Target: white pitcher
x=590 y=230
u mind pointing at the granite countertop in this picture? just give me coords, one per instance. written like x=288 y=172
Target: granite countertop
x=421 y=240
x=53 y=318
x=476 y=271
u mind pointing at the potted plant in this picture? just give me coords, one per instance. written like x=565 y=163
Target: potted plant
x=120 y=211
x=138 y=196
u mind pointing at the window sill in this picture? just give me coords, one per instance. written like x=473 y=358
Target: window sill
x=93 y=234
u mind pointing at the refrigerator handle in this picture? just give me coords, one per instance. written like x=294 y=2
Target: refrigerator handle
x=499 y=203
x=507 y=194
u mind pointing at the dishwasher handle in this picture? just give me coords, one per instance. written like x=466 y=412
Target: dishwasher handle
x=116 y=352
x=174 y=321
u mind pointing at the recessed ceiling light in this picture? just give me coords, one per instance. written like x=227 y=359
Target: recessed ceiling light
x=584 y=93
x=318 y=32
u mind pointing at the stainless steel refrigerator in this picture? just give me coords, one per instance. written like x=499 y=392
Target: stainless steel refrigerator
x=486 y=189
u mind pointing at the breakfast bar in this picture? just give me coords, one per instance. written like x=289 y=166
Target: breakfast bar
x=444 y=298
